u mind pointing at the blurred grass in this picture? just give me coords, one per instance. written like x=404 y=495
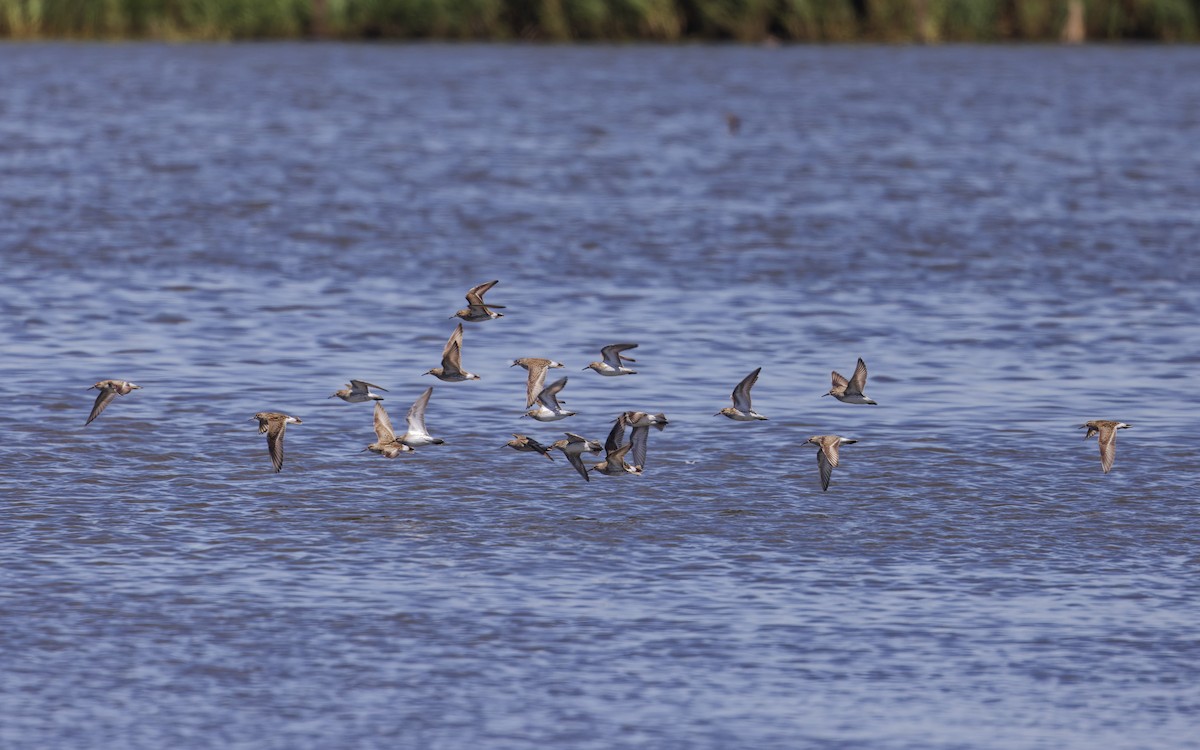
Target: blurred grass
x=563 y=20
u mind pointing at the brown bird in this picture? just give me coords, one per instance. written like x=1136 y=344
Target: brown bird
x=359 y=391
x=109 y=389
x=1106 y=430
x=536 y=367
x=640 y=423
x=574 y=447
x=741 y=409
x=274 y=423
x=614 y=453
x=827 y=456
x=613 y=363
x=386 y=443
x=476 y=310
x=451 y=370
x=851 y=391
x=525 y=443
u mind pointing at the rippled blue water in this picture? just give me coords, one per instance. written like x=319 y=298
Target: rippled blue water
x=1006 y=235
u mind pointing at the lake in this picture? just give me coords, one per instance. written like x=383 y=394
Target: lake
x=1006 y=235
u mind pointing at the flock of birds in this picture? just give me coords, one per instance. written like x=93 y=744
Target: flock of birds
x=543 y=405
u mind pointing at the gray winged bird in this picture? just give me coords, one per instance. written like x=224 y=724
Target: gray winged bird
x=1106 y=432
x=417 y=435
x=385 y=443
x=273 y=423
x=109 y=389
x=476 y=310
x=536 y=367
x=548 y=408
x=640 y=423
x=528 y=444
x=574 y=447
x=741 y=409
x=827 y=455
x=614 y=463
x=451 y=370
x=359 y=391
x=613 y=361
x=851 y=391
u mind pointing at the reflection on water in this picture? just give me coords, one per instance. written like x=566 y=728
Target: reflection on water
x=1005 y=235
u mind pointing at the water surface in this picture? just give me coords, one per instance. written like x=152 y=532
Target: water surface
x=1006 y=235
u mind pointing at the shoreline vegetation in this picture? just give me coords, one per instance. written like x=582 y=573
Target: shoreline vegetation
x=747 y=21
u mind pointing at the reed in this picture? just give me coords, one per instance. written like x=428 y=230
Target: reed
x=565 y=20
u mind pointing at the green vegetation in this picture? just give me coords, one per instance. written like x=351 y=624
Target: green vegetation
x=562 y=20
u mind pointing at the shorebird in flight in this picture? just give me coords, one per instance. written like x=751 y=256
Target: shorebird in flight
x=614 y=463
x=827 y=455
x=417 y=435
x=741 y=409
x=612 y=364
x=536 y=367
x=526 y=443
x=1106 y=432
x=640 y=423
x=358 y=391
x=851 y=391
x=476 y=310
x=451 y=370
x=385 y=443
x=574 y=447
x=274 y=423
x=109 y=389
x=548 y=408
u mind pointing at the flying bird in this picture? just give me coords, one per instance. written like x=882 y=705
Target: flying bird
x=614 y=463
x=741 y=409
x=526 y=443
x=851 y=391
x=385 y=443
x=574 y=447
x=476 y=310
x=274 y=423
x=640 y=423
x=827 y=455
x=417 y=435
x=109 y=389
x=612 y=364
x=451 y=370
x=536 y=367
x=1106 y=432
x=358 y=391
x=548 y=408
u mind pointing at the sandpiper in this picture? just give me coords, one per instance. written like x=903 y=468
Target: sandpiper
x=639 y=435
x=109 y=389
x=536 y=366
x=476 y=310
x=1106 y=429
x=614 y=453
x=526 y=443
x=451 y=370
x=851 y=391
x=385 y=443
x=274 y=423
x=827 y=456
x=574 y=447
x=613 y=358
x=417 y=435
x=548 y=408
x=358 y=391
x=741 y=409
